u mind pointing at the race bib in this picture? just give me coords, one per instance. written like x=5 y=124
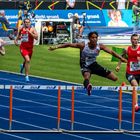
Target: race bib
x=24 y=38
x=134 y=66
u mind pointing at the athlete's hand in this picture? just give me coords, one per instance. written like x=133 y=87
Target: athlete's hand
x=52 y=48
x=29 y=31
x=16 y=42
x=117 y=68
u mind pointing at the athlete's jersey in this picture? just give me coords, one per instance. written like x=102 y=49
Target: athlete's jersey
x=133 y=65
x=88 y=56
x=26 y=39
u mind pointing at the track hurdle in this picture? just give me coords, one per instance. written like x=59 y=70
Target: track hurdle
x=10 y=107
x=73 y=88
x=120 y=108
x=133 y=107
x=58 y=109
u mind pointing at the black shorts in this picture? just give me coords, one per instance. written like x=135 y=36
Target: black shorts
x=131 y=77
x=97 y=69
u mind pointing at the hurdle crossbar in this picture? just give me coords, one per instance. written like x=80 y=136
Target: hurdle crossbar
x=66 y=87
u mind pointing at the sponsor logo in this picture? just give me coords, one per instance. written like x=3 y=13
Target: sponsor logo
x=112 y=88
x=51 y=87
x=34 y=87
x=79 y=87
x=97 y=88
x=18 y=87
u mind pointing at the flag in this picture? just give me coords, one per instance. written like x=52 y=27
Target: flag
x=118 y=51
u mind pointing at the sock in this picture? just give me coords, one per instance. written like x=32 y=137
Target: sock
x=136 y=104
x=85 y=83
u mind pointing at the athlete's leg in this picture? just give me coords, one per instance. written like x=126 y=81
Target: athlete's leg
x=22 y=66
x=112 y=76
x=86 y=82
x=27 y=67
x=86 y=76
x=134 y=81
x=27 y=64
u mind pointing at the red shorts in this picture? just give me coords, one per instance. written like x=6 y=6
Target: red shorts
x=25 y=52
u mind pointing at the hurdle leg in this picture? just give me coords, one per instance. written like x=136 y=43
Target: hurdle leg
x=133 y=107
x=10 y=107
x=72 y=108
x=120 y=108
x=58 y=109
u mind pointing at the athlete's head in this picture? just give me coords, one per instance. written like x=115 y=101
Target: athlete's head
x=2 y=12
x=134 y=39
x=93 y=37
x=25 y=12
x=91 y=33
x=27 y=22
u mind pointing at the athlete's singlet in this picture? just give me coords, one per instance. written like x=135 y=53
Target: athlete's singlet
x=88 y=56
x=133 y=65
x=26 y=39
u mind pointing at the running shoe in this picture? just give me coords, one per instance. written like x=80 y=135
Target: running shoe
x=2 y=51
x=89 y=88
x=27 y=78
x=137 y=108
x=11 y=36
x=123 y=84
x=21 y=68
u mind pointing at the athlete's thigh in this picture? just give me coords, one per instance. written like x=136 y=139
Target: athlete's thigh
x=99 y=70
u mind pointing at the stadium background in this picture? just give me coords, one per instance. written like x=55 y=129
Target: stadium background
x=96 y=14
x=69 y=56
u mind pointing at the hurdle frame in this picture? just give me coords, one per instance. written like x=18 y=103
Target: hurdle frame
x=72 y=88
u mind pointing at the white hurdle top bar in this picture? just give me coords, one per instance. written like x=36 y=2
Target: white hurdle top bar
x=66 y=87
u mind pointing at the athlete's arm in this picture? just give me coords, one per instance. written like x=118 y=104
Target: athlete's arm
x=66 y=45
x=106 y=49
x=18 y=35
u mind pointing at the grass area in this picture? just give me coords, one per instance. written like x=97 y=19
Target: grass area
x=61 y=64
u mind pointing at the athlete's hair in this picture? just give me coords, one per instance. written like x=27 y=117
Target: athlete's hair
x=91 y=33
x=133 y=35
x=26 y=19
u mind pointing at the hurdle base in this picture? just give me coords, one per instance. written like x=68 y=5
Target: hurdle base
x=132 y=131
x=93 y=131
x=30 y=131
x=115 y=131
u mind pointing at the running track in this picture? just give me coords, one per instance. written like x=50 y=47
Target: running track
x=37 y=110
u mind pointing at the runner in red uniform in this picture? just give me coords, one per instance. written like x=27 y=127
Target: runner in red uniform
x=133 y=65
x=27 y=35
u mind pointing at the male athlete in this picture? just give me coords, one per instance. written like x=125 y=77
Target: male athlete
x=27 y=35
x=88 y=54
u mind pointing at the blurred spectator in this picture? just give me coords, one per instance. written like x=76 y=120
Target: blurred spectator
x=2 y=49
x=3 y=19
x=136 y=15
x=77 y=25
x=120 y=4
x=6 y=25
x=116 y=19
x=70 y=4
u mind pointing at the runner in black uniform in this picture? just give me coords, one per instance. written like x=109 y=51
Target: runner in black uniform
x=88 y=53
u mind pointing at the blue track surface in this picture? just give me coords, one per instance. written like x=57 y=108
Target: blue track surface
x=37 y=110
